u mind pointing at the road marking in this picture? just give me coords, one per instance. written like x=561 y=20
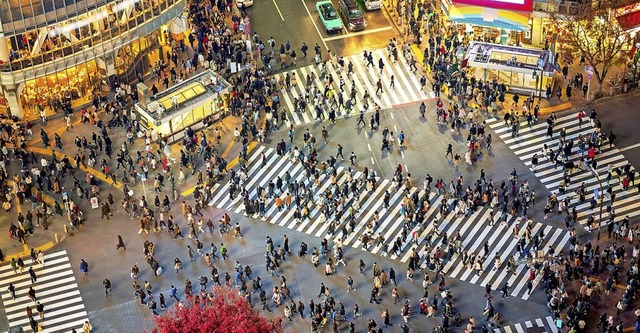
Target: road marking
x=391 y=113
x=230 y=165
x=369 y=145
x=395 y=128
x=372 y=161
x=313 y=21
x=360 y=33
x=402 y=154
x=278 y=9
x=629 y=147
x=406 y=168
x=226 y=151
x=395 y=106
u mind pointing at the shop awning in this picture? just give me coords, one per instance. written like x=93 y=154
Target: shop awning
x=489 y=17
x=629 y=17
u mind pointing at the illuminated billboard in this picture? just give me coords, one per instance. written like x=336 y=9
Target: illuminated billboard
x=517 y=5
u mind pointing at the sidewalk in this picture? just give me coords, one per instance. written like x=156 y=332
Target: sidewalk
x=602 y=303
x=547 y=106
x=41 y=239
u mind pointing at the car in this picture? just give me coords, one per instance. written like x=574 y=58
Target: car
x=352 y=14
x=246 y=3
x=328 y=16
x=372 y=4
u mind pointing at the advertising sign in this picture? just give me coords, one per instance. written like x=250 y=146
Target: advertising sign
x=517 y=5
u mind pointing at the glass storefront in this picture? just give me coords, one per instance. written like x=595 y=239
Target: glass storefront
x=129 y=55
x=58 y=52
x=70 y=36
x=74 y=85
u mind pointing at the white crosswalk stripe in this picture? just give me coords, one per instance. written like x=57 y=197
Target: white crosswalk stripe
x=530 y=141
x=475 y=229
x=406 y=85
x=547 y=324
x=56 y=289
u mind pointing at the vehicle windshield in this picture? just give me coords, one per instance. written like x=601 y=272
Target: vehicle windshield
x=355 y=13
x=328 y=12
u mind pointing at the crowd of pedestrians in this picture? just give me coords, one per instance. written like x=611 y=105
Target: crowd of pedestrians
x=217 y=36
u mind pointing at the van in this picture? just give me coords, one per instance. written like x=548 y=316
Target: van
x=372 y=4
x=352 y=15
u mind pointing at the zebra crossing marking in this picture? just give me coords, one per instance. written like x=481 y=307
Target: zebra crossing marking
x=56 y=289
x=474 y=227
x=407 y=87
x=547 y=323
x=530 y=141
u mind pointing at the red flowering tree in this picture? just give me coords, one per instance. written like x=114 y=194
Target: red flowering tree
x=225 y=313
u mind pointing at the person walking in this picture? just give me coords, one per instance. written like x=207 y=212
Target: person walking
x=40 y=309
x=505 y=290
x=173 y=294
x=32 y=273
x=191 y=254
x=139 y=293
x=107 y=287
x=86 y=327
x=84 y=267
x=120 y=244
x=41 y=257
x=12 y=290
x=32 y=294
x=34 y=324
x=360 y=119
x=449 y=151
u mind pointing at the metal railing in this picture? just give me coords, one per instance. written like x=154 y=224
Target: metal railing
x=88 y=42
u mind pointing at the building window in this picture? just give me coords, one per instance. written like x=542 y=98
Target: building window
x=74 y=86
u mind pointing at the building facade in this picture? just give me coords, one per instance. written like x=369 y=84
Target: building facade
x=63 y=52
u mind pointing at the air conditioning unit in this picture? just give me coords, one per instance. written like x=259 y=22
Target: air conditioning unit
x=153 y=106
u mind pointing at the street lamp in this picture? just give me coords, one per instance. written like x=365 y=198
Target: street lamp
x=599 y=196
x=535 y=76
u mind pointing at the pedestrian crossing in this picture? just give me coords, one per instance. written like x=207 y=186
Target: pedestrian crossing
x=406 y=88
x=474 y=228
x=56 y=289
x=542 y=325
x=530 y=141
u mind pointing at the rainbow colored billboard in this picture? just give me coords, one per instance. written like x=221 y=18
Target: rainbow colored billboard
x=515 y=5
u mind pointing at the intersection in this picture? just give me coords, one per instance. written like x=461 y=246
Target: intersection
x=370 y=232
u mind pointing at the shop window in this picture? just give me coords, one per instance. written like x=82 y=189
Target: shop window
x=517 y=79
x=74 y=86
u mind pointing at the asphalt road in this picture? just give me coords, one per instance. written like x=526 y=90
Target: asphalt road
x=297 y=21
x=621 y=115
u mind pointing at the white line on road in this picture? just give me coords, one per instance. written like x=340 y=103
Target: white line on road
x=372 y=161
x=629 y=147
x=364 y=32
x=402 y=154
x=391 y=113
x=278 y=9
x=369 y=145
x=395 y=128
x=406 y=168
x=315 y=25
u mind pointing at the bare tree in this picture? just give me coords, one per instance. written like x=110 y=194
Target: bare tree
x=592 y=31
